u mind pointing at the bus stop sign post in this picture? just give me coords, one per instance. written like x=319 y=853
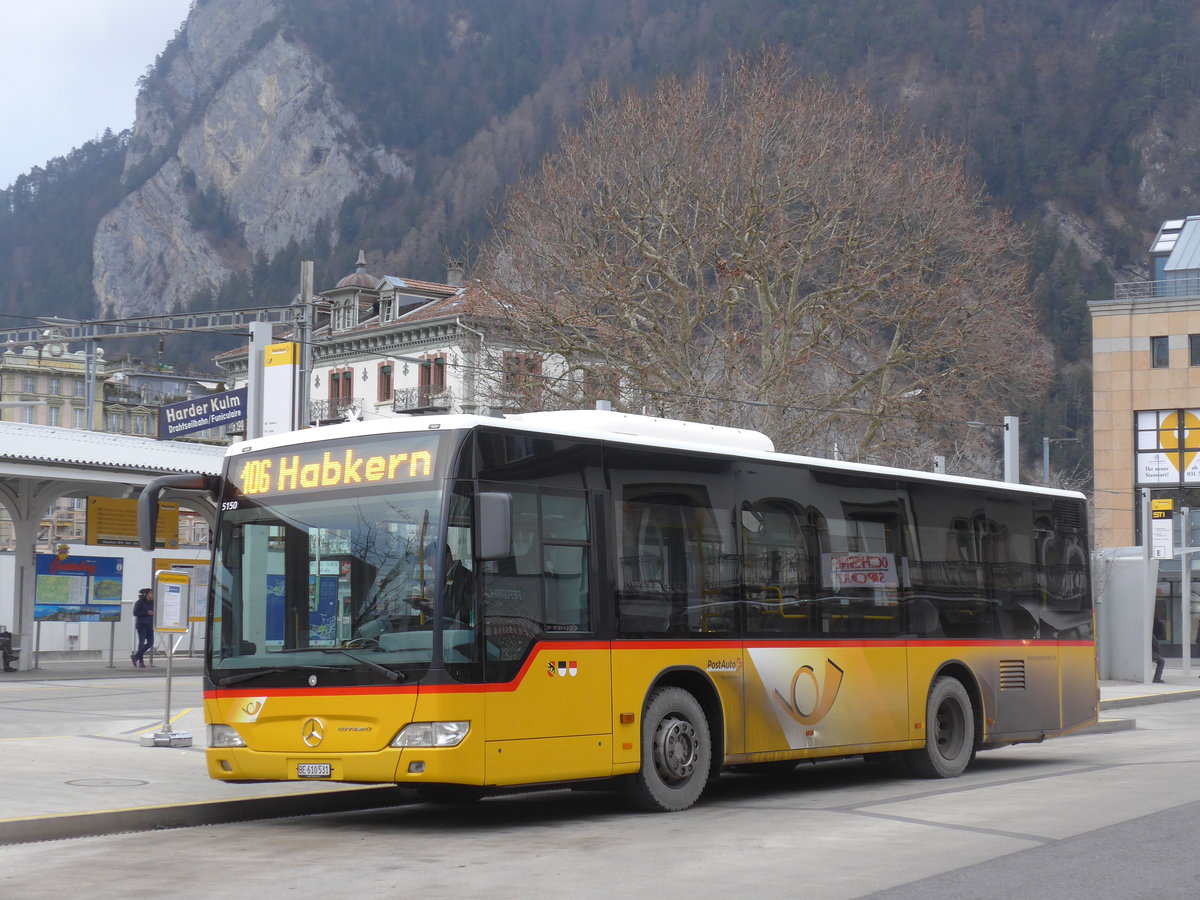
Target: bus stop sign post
x=1185 y=600
x=171 y=609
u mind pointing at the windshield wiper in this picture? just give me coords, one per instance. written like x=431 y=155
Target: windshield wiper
x=390 y=673
x=276 y=670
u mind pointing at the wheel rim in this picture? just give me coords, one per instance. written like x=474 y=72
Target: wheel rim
x=949 y=728
x=675 y=748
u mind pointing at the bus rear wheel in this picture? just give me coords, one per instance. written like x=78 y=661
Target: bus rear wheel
x=949 y=732
x=676 y=752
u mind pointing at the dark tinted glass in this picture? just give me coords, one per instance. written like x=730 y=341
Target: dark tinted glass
x=677 y=557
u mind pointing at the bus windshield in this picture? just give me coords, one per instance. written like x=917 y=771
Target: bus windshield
x=313 y=573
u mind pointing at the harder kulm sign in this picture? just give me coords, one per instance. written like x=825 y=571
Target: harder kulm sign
x=189 y=416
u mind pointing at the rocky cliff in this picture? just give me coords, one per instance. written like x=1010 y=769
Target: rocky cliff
x=241 y=115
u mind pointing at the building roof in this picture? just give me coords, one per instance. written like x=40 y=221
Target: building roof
x=1185 y=250
x=21 y=443
x=412 y=284
x=359 y=277
x=471 y=300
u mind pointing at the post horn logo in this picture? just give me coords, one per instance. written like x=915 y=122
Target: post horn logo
x=817 y=701
x=313 y=732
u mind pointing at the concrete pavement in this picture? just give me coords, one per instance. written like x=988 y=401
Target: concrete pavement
x=73 y=762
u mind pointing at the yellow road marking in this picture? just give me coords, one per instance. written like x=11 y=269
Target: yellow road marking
x=175 y=718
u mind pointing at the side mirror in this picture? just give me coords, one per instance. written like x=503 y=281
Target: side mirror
x=493 y=525
x=147 y=506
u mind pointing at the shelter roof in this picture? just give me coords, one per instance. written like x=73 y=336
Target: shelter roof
x=21 y=443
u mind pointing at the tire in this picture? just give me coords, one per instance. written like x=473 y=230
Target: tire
x=949 y=732
x=676 y=753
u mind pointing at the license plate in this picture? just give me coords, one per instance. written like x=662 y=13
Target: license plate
x=312 y=770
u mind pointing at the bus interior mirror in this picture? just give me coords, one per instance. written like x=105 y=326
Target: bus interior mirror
x=494 y=520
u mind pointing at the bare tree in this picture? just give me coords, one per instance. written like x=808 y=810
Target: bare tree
x=770 y=252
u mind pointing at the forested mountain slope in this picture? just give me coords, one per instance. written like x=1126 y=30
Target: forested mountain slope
x=269 y=132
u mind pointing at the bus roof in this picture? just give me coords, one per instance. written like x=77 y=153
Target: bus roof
x=625 y=428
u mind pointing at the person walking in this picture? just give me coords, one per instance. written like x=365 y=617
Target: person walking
x=1158 y=633
x=143 y=621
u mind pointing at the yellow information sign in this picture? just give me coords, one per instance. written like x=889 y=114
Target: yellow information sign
x=198 y=569
x=112 y=522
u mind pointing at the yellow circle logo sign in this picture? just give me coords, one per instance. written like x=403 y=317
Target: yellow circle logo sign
x=1176 y=440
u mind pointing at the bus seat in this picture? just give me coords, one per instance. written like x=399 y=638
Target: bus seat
x=923 y=618
x=644 y=613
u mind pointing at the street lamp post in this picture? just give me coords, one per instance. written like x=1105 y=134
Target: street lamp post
x=1046 y=442
x=1012 y=446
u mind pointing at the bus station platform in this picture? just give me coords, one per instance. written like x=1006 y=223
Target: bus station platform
x=74 y=760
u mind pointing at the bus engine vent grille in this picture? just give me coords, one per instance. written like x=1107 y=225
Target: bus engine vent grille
x=1067 y=515
x=1012 y=674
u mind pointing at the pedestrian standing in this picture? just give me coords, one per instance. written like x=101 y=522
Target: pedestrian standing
x=143 y=622
x=1158 y=633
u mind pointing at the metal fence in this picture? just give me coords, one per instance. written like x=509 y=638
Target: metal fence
x=422 y=398
x=332 y=410
x=1187 y=286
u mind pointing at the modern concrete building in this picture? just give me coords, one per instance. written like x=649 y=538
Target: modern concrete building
x=1146 y=401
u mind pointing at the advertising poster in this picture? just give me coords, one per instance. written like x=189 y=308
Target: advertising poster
x=322 y=610
x=77 y=588
x=1167 y=444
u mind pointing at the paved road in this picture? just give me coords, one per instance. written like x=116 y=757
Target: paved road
x=1101 y=815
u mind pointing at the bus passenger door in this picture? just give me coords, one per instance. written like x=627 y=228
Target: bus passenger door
x=548 y=706
x=826 y=664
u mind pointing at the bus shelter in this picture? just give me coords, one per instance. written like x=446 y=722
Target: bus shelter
x=40 y=463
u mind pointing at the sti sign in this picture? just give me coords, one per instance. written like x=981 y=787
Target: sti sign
x=188 y=416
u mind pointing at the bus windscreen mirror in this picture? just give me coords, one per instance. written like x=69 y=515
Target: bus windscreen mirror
x=494 y=533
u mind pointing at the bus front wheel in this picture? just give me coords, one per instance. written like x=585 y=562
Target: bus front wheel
x=676 y=752
x=949 y=732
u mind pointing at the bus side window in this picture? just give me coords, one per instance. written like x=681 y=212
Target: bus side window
x=677 y=572
x=778 y=574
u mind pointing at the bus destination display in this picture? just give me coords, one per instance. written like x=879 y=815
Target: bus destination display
x=292 y=472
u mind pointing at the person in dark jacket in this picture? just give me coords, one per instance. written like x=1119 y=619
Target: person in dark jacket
x=143 y=621
x=6 y=650
x=1158 y=633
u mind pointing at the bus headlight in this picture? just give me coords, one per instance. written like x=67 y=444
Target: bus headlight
x=224 y=736
x=431 y=734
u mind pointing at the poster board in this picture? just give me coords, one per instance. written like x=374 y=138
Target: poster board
x=112 y=522
x=171 y=606
x=198 y=569
x=77 y=588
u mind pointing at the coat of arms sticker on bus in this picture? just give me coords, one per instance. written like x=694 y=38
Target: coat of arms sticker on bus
x=562 y=669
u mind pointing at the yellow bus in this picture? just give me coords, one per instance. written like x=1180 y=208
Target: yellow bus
x=464 y=604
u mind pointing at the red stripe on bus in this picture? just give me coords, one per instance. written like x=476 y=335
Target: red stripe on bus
x=626 y=646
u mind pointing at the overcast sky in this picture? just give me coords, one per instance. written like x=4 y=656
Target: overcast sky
x=69 y=69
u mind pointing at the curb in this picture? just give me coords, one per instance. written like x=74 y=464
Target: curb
x=222 y=812
x=1107 y=726
x=1148 y=699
